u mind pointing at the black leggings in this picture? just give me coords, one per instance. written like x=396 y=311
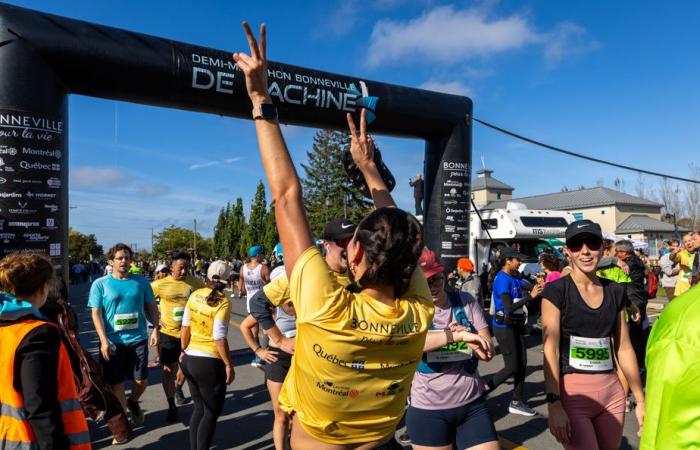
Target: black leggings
x=511 y=342
x=206 y=378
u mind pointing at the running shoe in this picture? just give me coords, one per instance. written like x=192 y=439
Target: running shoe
x=172 y=414
x=117 y=442
x=257 y=363
x=180 y=396
x=517 y=407
x=137 y=415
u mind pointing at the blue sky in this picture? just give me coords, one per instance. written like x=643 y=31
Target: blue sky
x=615 y=80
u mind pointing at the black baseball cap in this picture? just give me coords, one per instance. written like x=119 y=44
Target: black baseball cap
x=510 y=252
x=339 y=229
x=584 y=226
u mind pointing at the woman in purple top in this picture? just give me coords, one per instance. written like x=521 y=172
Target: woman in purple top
x=447 y=405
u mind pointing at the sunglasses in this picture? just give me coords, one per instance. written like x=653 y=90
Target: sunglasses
x=436 y=280
x=593 y=244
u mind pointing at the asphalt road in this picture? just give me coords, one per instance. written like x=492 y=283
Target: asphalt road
x=246 y=421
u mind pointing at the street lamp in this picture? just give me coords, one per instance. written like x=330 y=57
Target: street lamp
x=669 y=216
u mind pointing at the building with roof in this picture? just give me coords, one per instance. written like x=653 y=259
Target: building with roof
x=619 y=214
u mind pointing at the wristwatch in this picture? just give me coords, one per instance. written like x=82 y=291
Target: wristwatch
x=450 y=336
x=265 y=111
x=551 y=398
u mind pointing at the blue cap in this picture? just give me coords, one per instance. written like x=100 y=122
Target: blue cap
x=255 y=251
x=277 y=251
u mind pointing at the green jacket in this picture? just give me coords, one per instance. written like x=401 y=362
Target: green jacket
x=613 y=273
x=672 y=419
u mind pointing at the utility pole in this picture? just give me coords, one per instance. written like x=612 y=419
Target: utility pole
x=151 y=240
x=194 y=238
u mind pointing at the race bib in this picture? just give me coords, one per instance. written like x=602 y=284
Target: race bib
x=178 y=312
x=591 y=354
x=128 y=321
x=454 y=352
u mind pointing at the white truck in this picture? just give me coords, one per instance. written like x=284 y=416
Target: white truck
x=515 y=226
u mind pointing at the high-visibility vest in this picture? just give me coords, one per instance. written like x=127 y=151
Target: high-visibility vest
x=15 y=431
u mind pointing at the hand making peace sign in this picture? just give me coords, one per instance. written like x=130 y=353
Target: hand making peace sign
x=254 y=66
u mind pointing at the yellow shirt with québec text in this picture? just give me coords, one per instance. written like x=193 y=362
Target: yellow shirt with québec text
x=354 y=356
x=685 y=259
x=202 y=318
x=172 y=296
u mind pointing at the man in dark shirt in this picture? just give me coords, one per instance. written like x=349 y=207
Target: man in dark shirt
x=417 y=185
x=637 y=296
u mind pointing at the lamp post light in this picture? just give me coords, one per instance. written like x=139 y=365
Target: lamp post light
x=669 y=216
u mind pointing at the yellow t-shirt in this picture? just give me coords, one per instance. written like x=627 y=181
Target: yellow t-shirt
x=685 y=258
x=354 y=357
x=202 y=318
x=277 y=290
x=172 y=296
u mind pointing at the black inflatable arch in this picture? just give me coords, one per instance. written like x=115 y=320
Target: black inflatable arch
x=44 y=57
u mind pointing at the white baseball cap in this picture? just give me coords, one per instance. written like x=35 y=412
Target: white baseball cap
x=219 y=270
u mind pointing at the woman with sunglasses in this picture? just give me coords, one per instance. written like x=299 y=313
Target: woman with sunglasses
x=357 y=347
x=509 y=297
x=585 y=336
x=447 y=405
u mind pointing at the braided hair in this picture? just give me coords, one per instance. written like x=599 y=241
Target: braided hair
x=392 y=240
x=217 y=290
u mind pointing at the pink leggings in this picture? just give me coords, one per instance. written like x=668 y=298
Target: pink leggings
x=595 y=404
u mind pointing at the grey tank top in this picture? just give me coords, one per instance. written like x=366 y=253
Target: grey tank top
x=286 y=323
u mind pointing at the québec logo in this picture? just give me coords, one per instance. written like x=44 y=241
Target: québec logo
x=365 y=100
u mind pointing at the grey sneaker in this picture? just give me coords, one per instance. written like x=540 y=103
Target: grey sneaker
x=137 y=414
x=517 y=407
x=180 y=398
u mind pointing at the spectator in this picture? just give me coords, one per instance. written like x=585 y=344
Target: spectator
x=684 y=255
x=37 y=389
x=669 y=270
x=637 y=296
x=467 y=281
x=417 y=185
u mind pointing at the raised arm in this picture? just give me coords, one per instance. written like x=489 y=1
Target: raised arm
x=295 y=233
x=362 y=150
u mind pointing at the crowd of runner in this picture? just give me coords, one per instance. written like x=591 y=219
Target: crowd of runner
x=361 y=327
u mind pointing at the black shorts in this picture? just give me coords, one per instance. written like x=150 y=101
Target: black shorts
x=170 y=349
x=464 y=426
x=277 y=371
x=126 y=362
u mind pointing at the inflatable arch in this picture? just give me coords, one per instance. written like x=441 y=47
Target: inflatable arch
x=44 y=57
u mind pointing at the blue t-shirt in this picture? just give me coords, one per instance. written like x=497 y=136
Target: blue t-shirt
x=122 y=303
x=506 y=284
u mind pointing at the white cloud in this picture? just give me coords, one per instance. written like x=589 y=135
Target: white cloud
x=448 y=87
x=226 y=161
x=567 y=39
x=91 y=176
x=448 y=35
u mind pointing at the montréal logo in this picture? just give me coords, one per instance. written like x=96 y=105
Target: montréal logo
x=365 y=100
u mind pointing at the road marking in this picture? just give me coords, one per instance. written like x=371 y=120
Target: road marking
x=510 y=445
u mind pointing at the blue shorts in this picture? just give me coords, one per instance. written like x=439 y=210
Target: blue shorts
x=465 y=426
x=126 y=362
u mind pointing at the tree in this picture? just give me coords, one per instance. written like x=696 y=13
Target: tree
x=327 y=191
x=221 y=250
x=692 y=197
x=82 y=247
x=175 y=239
x=236 y=225
x=256 y=221
x=270 y=235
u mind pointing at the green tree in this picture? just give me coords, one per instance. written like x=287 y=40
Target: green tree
x=221 y=250
x=235 y=228
x=256 y=221
x=175 y=239
x=83 y=247
x=270 y=236
x=327 y=191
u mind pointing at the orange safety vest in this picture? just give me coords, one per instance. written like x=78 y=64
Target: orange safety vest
x=15 y=430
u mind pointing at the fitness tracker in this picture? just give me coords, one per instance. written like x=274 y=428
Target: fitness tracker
x=265 y=111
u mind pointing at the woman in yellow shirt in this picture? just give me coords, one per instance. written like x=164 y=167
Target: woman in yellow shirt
x=358 y=347
x=206 y=360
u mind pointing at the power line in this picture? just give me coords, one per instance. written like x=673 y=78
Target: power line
x=578 y=155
